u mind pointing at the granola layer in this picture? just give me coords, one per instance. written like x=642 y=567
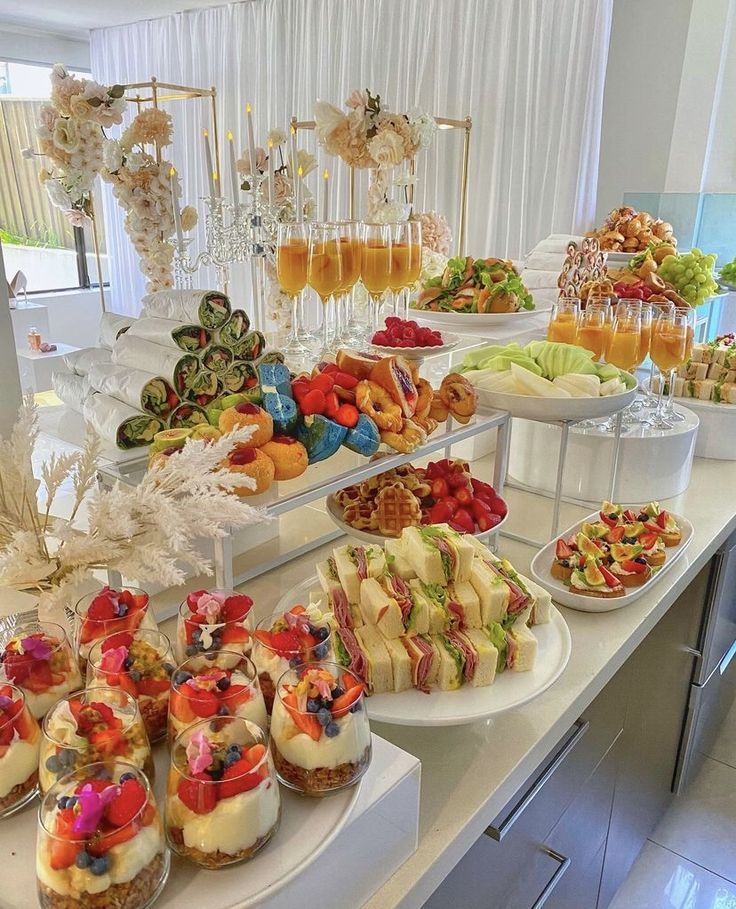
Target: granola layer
x=214 y=859
x=155 y=713
x=134 y=894
x=18 y=793
x=268 y=689
x=322 y=780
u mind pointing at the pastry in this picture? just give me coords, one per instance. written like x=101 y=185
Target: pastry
x=438 y=410
x=289 y=456
x=394 y=375
x=410 y=437
x=425 y=394
x=363 y=438
x=282 y=409
x=356 y=364
x=459 y=396
x=246 y=414
x=253 y=463
x=275 y=377
x=396 y=508
x=321 y=437
x=375 y=402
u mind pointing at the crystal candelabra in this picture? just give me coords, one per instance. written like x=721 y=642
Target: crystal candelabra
x=234 y=232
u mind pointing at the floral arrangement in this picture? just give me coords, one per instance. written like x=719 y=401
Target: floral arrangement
x=70 y=137
x=283 y=176
x=369 y=135
x=146 y=532
x=142 y=186
x=436 y=233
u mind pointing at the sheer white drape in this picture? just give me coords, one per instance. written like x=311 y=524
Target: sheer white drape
x=529 y=72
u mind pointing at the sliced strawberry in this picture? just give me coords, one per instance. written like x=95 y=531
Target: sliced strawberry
x=25 y=725
x=95 y=785
x=616 y=534
x=264 y=637
x=636 y=567
x=662 y=519
x=233 y=633
x=255 y=754
x=653 y=527
x=562 y=550
x=609 y=578
x=204 y=703
x=236 y=608
x=40 y=678
x=629 y=516
x=126 y=805
x=152 y=688
x=286 y=642
x=341 y=705
x=648 y=540
x=607 y=519
x=237 y=695
x=238 y=778
x=122 y=680
x=180 y=706
x=6 y=730
x=119 y=639
x=63 y=851
x=306 y=722
x=102 y=607
x=107 y=740
x=198 y=794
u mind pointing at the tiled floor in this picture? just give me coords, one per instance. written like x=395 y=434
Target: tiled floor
x=690 y=860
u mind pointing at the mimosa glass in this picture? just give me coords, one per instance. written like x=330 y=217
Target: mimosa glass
x=324 y=274
x=624 y=343
x=593 y=328
x=400 y=262
x=415 y=262
x=375 y=268
x=350 y=248
x=563 y=322
x=291 y=270
x=668 y=351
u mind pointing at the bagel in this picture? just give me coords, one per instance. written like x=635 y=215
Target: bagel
x=375 y=402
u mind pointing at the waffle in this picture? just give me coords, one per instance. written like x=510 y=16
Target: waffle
x=348 y=495
x=361 y=515
x=396 y=508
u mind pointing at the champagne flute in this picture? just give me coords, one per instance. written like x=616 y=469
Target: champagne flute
x=563 y=321
x=375 y=267
x=624 y=342
x=291 y=271
x=400 y=262
x=668 y=351
x=415 y=262
x=350 y=247
x=688 y=313
x=324 y=272
x=592 y=328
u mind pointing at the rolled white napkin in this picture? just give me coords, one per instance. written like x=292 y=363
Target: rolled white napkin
x=170 y=333
x=142 y=390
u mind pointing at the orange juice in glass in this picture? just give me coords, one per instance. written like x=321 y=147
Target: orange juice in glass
x=563 y=323
x=593 y=328
x=669 y=346
x=400 y=266
x=375 y=264
x=624 y=342
x=292 y=254
x=351 y=255
x=324 y=271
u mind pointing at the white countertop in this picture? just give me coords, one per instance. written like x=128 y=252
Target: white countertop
x=470 y=772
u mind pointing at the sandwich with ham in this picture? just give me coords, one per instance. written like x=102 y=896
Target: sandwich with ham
x=338 y=599
x=379 y=675
x=356 y=563
x=396 y=588
x=425 y=660
x=380 y=609
x=348 y=652
x=492 y=591
x=430 y=601
x=397 y=559
x=438 y=554
x=463 y=603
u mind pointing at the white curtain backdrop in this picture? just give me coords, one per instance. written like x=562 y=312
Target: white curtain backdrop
x=529 y=72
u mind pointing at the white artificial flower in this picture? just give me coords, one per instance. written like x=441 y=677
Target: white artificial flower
x=326 y=119
x=391 y=212
x=112 y=155
x=135 y=161
x=433 y=264
x=65 y=135
x=277 y=137
x=58 y=73
x=386 y=148
x=306 y=161
x=57 y=194
x=423 y=127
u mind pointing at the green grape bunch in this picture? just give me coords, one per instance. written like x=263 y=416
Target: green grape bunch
x=728 y=272
x=691 y=274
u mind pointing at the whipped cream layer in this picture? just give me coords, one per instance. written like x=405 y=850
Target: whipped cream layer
x=17 y=764
x=147 y=621
x=40 y=704
x=301 y=749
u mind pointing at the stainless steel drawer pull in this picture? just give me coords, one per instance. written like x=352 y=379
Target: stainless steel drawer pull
x=498 y=833
x=556 y=877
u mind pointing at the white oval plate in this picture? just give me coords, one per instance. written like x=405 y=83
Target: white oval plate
x=335 y=511
x=475 y=320
x=619 y=258
x=562 y=594
x=549 y=410
x=466 y=705
x=420 y=353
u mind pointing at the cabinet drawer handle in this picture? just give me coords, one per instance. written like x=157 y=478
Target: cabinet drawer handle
x=556 y=877
x=498 y=833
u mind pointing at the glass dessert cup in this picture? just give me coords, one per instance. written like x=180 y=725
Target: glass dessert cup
x=97 y=725
x=20 y=740
x=286 y=640
x=320 y=736
x=215 y=684
x=222 y=799
x=210 y=620
x=38 y=658
x=100 y=841
x=141 y=663
x=105 y=612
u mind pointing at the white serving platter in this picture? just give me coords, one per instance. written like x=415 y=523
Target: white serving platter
x=562 y=594
x=619 y=258
x=335 y=511
x=466 y=705
x=550 y=410
x=476 y=320
x=420 y=353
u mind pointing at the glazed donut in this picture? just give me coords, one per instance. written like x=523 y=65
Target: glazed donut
x=438 y=409
x=254 y=464
x=424 y=400
x=458 y=395
x=410 y=437
x=376 y=403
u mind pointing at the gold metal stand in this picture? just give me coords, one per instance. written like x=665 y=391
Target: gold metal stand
x=444 y=123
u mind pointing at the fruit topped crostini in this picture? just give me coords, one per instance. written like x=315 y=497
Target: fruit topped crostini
x=220 y=684
x=289 y=639
x=210 y=620
x=222 y=802
x=90 y=726
x=320 y=736
x=140 y=663
x=595 y=580
x=100 y=614
x=101 y=841
x=38 y=658
x=567 y=558
x=657 y=520
x=20 y=739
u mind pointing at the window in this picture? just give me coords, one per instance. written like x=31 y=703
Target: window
x=37 y=239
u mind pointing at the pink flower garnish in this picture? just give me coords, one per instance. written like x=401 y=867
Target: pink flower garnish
x=199 y=753
x=209 y=605
x=324 y=688
x=37 y=648
x=297 y=622
x=205 y=682
x=91 y=807
x=113 y=659
x=5 y=702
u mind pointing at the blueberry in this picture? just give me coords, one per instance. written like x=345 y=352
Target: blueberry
x=613 y=516
x=356 y=708
x=337 y=692
x=230 y=759
x=223 y=711
x=61 y=803
x=641 y=560
x=629 y=540
x=324 y=716
x=67 y=757
x=234 y=747
x=99 y=865
x=293 y=663
x=223 y=684
x=331 y=730
x=320 y=651
x=84 y=860
x=191 y=650
x=196 y=634
x=126 y=776
x=313 y=705
x=322 y=634
x=180 y=677
x=135 y=675
x=71 y=801
x=168 y=668
x=53 y=764
x=127 y=662
x=565 y=563
x=216 y=773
